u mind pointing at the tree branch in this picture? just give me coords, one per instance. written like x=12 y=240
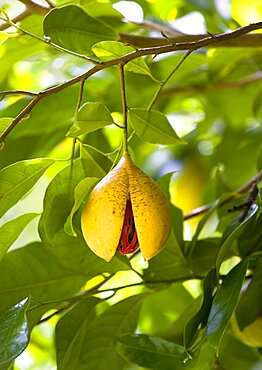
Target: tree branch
x=210 y=40
x=241 y=190
x=220 y=85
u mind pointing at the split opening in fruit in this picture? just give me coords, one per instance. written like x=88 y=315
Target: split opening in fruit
x=128 y=242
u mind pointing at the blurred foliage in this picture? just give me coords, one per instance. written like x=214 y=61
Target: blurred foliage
x=62 y=306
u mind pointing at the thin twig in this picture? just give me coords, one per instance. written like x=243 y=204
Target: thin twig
x=241 y=190
x=124 y=107
x=127 y=58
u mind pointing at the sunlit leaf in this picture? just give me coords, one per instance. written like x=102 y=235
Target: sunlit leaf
x=72 y=28
x=14 y=335
x=10 y=231
x=153 y=126
x=4 y=122
x=117 y=320
x=81 y=192
x=32 y=270
x=59 y=200
x=224 y=304
x=90 y=117
x=152 y=352
x=108 y=50
x=17 y=179
x=71 y=329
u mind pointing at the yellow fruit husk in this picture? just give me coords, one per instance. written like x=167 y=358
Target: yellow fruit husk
x=103 y=215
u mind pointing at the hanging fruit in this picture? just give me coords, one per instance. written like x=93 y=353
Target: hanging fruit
x=126 y=210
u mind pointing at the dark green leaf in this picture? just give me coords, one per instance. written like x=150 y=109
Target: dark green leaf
x=90 y=117
x=224 y=304
x=98 y=345
x=10 y=231
x=153 y=126
x=71 y=329
x=14 y=335
x=72 y=28
x=199 y=320
x=152 y=352
x=250 y=304
x=233 y=236
x=17 y=179
x=81 y=192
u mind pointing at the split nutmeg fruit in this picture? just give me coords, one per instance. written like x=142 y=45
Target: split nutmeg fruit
x=126 y=210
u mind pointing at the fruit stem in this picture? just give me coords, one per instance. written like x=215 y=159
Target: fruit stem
x=162 y=83
x=124 y=108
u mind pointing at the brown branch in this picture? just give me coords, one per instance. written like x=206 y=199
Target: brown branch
x=241 y=190
x=127 y=58
x=217 y=85
x=253 y=40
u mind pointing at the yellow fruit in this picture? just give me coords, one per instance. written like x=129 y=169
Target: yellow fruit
x=251 y=334
x=126 y=209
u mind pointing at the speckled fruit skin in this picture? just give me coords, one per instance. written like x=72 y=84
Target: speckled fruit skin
x=103 y=214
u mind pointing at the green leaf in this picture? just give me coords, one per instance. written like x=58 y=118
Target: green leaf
x=72 y=28
x=59 y=200
x=14 y=334
x=152 y=352
x=74 y=254
x=98 y=345
x=250 y=304
x=81 y=192
x=224 y=304
x=95 y=163
x=233 y=236
x=4 y=122
x=32 y=271
x=10 y=231
x=18 y=178
x=153 y=126
x=90 y=117
x=109 y=50
x=71 y=329
x=198 y=321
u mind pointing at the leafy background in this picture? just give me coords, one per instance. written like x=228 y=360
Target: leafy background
x=175 y=311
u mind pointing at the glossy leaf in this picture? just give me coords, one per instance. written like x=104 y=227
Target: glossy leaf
x=71 y=329
x=250 y=304
x=31 y=270
x=17 y=179
x=72 y=28
x=3 y=37
x=233 y=236
x=14 y=334
x=224 y=304
x=117 y=320
x=90 y=117
x=59 y=200
x=10 y=231
x=198 y=321
x=109 y=50
x=152 y=352
x=153 y=126
x=81 y=192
